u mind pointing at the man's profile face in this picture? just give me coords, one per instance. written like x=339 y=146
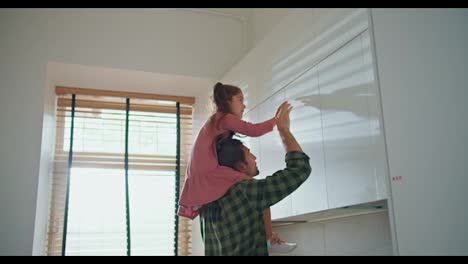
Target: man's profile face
x=250 y=163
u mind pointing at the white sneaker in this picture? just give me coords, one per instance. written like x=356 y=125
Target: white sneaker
x=281 y=248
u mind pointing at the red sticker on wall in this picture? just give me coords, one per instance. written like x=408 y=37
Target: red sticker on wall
x=396 y=178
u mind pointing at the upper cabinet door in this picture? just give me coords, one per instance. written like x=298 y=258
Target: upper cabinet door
x=344 y=98
x=272 y=153
x=376 y=125
x=306 y=126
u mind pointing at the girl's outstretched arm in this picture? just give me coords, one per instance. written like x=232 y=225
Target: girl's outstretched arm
x=234 y=123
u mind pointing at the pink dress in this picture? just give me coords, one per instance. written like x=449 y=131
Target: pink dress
x=206 y=181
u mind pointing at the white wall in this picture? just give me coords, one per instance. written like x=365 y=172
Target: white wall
x=22 y=82
x=422 y=62
x=103 y=78
x=179 y=43
x=169 y=41
x=198 y=248
x=367 y=235
x=262 y=21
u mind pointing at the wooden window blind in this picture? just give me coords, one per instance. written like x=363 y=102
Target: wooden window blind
x=114 y=182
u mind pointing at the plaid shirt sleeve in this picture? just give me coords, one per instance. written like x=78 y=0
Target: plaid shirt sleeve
x=267 y=192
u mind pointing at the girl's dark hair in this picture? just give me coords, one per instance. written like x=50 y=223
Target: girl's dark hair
x=222 y=94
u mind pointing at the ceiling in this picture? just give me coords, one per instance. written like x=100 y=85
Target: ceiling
x=241 y=14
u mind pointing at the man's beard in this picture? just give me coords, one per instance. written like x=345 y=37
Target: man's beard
x=256 y=171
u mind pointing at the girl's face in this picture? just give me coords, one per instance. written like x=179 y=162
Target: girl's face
x=237 y=105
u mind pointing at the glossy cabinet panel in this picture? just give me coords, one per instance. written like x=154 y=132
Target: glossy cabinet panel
x=337 y=120
x=348 y=146
x=375 y=114
x=306 y=125
x=272 y=153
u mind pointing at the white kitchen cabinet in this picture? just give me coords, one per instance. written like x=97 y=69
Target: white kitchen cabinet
x=336 y=118
x=344 y=97
x=375 y=117
x=272 y=153
x=306 y=126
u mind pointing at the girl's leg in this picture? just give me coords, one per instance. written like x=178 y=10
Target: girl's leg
x=270 y=235
x=275 y=244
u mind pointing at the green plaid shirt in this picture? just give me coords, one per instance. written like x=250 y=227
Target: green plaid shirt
x=234 y=224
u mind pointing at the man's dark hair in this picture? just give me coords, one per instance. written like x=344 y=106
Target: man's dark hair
x=230 y=152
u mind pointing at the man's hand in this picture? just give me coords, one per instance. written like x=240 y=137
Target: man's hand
x=282 y=116
x=282 y=106
x=283 y=123
x=279 y=108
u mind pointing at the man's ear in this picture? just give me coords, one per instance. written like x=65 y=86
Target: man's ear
x=241 y=166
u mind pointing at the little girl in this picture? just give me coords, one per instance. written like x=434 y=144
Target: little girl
x=206 y=181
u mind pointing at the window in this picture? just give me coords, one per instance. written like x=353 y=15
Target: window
x=119 y=163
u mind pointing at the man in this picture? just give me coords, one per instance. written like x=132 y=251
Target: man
x=234 y=224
